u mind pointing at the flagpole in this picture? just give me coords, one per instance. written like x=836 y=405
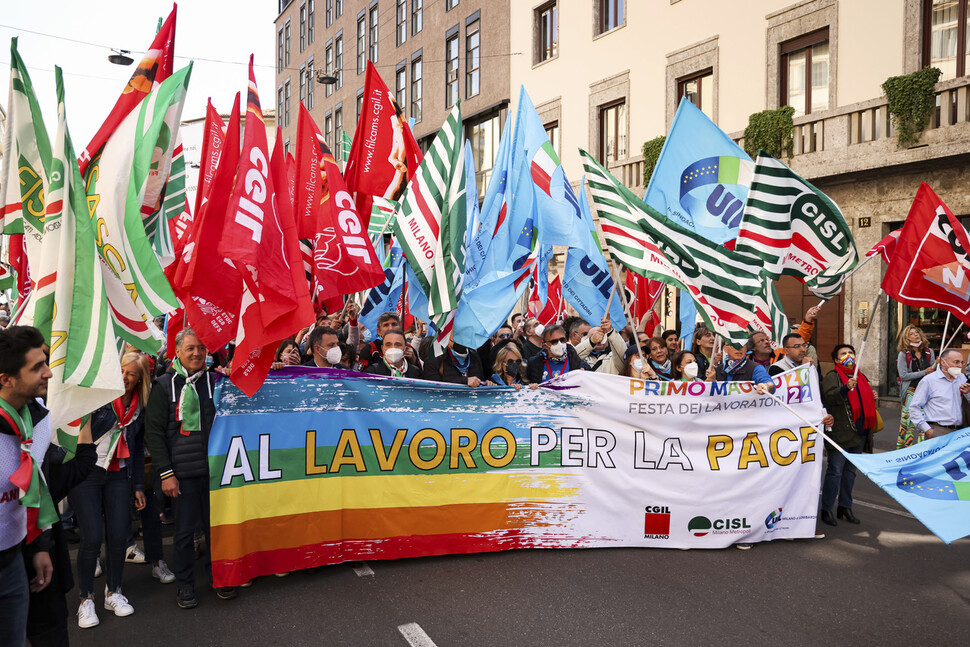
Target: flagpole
x=609 y=302
x=849 y=275
x=808 y=422
x=862 y=348
x=953 y=337
x=626 y=308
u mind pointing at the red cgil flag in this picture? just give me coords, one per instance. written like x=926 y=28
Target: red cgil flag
x=213 y=141
x=260 y=238
x=885 y=247
x=155 y=67
x=642 y=294
x=209 y=287
x=344 y=259
x=384 y=153
x=930 y=267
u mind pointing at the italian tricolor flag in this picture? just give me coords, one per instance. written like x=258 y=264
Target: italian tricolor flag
x=543 y=166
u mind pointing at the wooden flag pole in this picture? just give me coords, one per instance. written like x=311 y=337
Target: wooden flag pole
x=953 y=337
x=946 y=327
x=862 y=348
x=609 y=302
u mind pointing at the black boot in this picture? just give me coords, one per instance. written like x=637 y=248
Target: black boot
x=846 y=513
x=828 y=518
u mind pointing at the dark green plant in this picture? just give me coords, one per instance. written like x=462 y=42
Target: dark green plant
x=912 y=99
x=651 y=152
x=771 y=130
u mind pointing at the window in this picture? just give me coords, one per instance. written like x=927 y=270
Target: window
x=612 y=133
x=286 y=146
x=338 y=8
x=279 y=51
x=310 y=82
x=338 y=60
x=484 y=137
x=328 y=130
x=610 y=15
x=473 y=59
x=361 y=47
x=450 y=4
x=402 y=21
x=416 y=90
x=286 y=103
x=805 y=73
x=328 y=66
x=286 y=45
x=338 y=126
x=417 y=16
x=302 y=83
x=400 y=87
x=302 y=27
x=451 y=70
x=945 y=43
x=329 y=13
x=547 y=33
x=279 y=103
x=372 y=35
x=309 y=22
x=552 y=131
x=699 y=90
x=360 y=102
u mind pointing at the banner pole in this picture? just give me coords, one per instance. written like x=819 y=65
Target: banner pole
x=820 y=430
x=609 y=302
x=953 y=336
x=946 y=327
x=862 y=348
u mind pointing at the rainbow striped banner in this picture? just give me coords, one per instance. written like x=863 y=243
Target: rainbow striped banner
x=323 y=466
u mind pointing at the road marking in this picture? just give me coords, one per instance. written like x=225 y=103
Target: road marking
x=415 y=635
x=876 y=506
x=363 y=570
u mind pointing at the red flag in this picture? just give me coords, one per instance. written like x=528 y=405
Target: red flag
x=886 y=247
x=209 y=287
x=17 y=258
x=930 y=267
x=213 y=140
x=554 y=303
x=261 y=240
x=642 y=294
x=343 y=256
x=155 y=67
x=382 y=135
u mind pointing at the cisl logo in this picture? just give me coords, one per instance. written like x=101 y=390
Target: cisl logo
x=701 y=526
x=656 y=522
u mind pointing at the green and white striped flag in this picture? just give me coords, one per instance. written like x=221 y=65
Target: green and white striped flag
x=795 y=229
x=129 y=173
x=770 y=317
x=76 y=321
x=172 y=202
x=724 y=285
x=380 y=213
x=26 y=160
x=430 y=222
x=345 y=143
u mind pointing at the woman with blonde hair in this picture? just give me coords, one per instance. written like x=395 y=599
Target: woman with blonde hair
x=509 y=369
x=915 y=361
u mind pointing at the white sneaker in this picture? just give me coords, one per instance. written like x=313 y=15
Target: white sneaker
x=97 y=568
x=118 y=603
x=134 y=555
x=162 y=573
x=87 y=616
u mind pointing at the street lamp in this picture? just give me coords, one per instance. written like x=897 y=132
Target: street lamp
x=326 y=79
x=120 y=57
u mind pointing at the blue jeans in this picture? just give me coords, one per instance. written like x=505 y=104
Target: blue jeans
x=101 y=505
x=839 y=479
x=14 y=600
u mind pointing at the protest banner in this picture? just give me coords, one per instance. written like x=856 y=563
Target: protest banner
x=323 y=466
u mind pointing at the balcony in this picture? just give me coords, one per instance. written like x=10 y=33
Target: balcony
x=860 y=137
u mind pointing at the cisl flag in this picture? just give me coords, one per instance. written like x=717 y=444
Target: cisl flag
x=930 y=267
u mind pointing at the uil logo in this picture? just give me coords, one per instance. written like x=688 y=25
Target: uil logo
x=956 y=488
x=773 y=519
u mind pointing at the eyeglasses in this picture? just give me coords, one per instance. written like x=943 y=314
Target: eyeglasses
x=555 y=341
x=797 y=346
x=505 y=336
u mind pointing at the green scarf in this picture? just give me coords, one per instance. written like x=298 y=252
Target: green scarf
x=34 y=494
x=187 y=409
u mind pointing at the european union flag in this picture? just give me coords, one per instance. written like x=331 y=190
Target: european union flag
x=930 y=479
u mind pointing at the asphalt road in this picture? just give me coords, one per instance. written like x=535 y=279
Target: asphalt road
x=885 y=582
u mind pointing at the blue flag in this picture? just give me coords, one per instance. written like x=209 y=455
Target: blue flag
x=702 y=177
x=385 y=297
x=931 y=480
x=586 y=279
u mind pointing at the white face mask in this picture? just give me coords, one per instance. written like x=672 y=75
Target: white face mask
x=394 y=355
x=638 y=365
x=954 y=371
x=557 y=349
x=690 y=370
x=334 y=355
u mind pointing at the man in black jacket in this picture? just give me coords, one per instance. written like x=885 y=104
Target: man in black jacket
x=178 y=418
x=555 y=358
x=393 y=363
x=458 y=365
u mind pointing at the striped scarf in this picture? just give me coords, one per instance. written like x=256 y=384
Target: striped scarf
x=187 y=410
x=28 y=478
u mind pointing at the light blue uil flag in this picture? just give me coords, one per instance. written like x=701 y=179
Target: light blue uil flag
x=931 y=480
x=702 y=177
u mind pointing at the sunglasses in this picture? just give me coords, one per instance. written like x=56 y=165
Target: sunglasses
x=505 y=336
x=555 y=341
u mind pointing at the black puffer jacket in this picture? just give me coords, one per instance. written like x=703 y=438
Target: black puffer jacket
x=186 y=456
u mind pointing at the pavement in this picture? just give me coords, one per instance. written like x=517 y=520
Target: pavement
x=885 y=582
